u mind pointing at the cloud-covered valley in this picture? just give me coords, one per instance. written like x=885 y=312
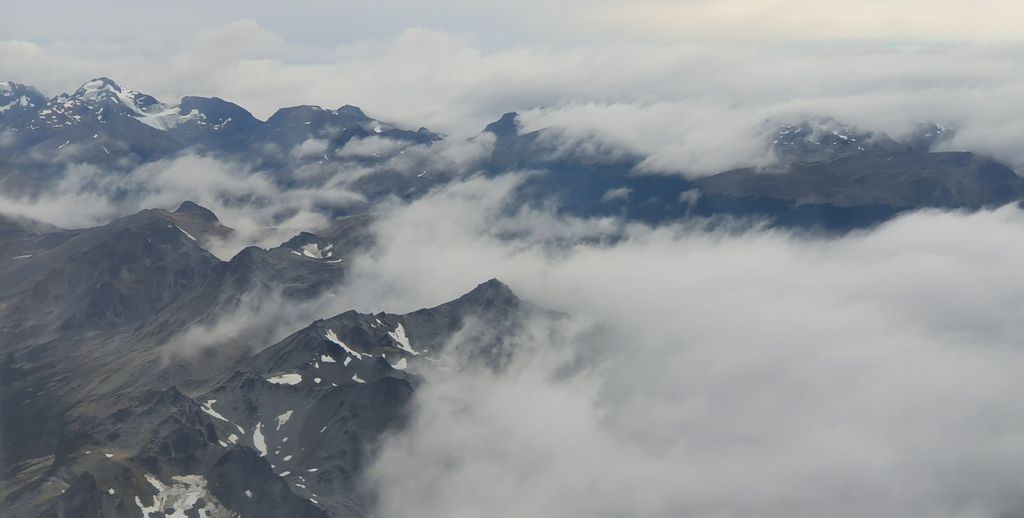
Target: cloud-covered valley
x=715 y=374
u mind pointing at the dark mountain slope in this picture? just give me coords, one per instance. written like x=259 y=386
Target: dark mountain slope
x=84 y=313
x=103 y=277
x=286 y=432
x=827 y=177
x=901 y=180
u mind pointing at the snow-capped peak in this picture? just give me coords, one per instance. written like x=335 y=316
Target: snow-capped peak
x=16 y=96
x=106 y=90
x=96 y=89
x=102 y=96
x=15 y=90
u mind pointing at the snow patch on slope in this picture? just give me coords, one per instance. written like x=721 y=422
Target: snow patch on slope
x=283 y=418
x=258 y=440
x=208 y=408
x=332 y=336
x=190 y=236
x=180 y=499
x=286 y=379
x=398 y=335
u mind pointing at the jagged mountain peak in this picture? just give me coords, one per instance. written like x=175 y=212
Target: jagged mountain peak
x=104 y=89
x=491 y=290
x=297 y=109
x=98 y=103
x=19 y=227
x=103 y=121
x=818 y=129
x=14 y=88
x=403 y=340
x=305 y=119
x=352 y=111
x=98 y=84
x=17 y=97
x=217 y=111
x=820 y=138
x=304 y=113
x=506 y=126
x=824 y=139
x=195 y=210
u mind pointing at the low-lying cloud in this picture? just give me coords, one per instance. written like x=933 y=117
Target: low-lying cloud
x=253 y=203
x=729 y=374
x=260 y=318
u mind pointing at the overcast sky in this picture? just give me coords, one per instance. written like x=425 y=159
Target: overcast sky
x=327 y=23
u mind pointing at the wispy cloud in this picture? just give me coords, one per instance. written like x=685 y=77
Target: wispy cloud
x=260 y=210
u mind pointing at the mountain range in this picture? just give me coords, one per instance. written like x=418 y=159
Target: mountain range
x=824 y=174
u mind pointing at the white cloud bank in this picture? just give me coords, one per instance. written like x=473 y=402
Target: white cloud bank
x=756 y=374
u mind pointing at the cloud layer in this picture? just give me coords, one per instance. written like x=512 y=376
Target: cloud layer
x=725 y=374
